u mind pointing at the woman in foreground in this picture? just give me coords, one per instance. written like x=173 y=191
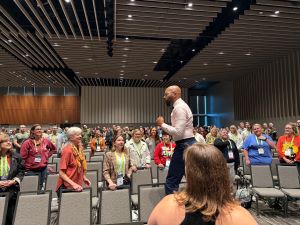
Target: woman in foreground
x=207 y=197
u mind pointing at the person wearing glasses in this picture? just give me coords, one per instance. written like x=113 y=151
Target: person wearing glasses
x=36 y=151
x=288 y=146
x=11 y=174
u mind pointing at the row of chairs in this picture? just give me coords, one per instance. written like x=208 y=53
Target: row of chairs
x=264 y=186
x=76 y=207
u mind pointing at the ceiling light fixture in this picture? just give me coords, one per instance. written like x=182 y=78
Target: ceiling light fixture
x=1 y=64
x=203 y=78
x=184 y=78
x=65 y=58
x=126 y=38
x=121 y=77
x=124 y=61
x=132 y=0
x=228 y=64
x=162 y=50
x=248 y=54
x=56 y=45
x=121 y=71
x=146 y=75
x=129 y=16
x=90 y=59
x=154 y=62
x=277 y=12
x=9 y=40
x=190 y=4
x=67 y=1
x=124 y=55
x=193 y=50
x=85 y=46
x=260 y=13
x=205 y=64
x=221 y=53
x=235 y=8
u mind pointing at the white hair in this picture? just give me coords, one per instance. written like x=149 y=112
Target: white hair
x=72 y=131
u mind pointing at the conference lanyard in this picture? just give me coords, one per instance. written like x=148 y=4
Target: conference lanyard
x=4 y=166
x=120 y=163
x=291 y=143
x=261 y=142
x=168 y=153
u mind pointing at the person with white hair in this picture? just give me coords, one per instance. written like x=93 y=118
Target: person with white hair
x=72 y=163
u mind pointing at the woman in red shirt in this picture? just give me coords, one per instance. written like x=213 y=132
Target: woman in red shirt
x=288 y=146
x=35 y=152
x=72 y=163
x=163 y=151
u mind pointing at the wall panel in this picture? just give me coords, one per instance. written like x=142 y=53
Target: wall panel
x=270 y=92
x=123 y=105
x=39 y=109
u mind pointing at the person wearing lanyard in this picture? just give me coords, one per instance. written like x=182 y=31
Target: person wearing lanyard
x=288 y=146
x=97 y=143
x=36 y=151
x=163 y=152
x=116 y=166
x=138 y=151
x=11 y=174
x=257 y=147
x=229 y=150
x=182 y=132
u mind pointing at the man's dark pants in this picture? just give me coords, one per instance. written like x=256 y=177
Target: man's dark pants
x=176 y=169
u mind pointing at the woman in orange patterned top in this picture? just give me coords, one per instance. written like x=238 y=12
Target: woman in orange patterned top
x=72 y=163
x=288 y=146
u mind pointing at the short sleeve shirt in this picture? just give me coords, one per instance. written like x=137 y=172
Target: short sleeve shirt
x=252 y=144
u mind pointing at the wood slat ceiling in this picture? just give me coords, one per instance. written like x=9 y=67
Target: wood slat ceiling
x=58 y=43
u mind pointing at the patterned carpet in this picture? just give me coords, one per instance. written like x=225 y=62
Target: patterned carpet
x=270 y=216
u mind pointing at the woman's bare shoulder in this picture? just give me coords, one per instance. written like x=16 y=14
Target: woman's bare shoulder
x=235 y=215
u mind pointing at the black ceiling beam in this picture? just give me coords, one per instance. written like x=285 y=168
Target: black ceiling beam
x=180 y=52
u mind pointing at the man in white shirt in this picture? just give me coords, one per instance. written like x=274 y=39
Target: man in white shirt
x=182 y=132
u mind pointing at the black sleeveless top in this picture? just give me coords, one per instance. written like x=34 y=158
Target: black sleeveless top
x=195 y=218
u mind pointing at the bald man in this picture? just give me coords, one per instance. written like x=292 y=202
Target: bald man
x=181 y=129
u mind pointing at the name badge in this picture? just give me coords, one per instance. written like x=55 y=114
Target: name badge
x=168 y=163
x=98 y=149
x=38 y=159
x=261 y=151
x=230 y=155
x=288 y=152
x=120 y=179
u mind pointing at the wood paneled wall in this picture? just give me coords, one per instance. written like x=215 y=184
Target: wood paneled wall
x=123 y=105
x=270 y=92
x=39 y=109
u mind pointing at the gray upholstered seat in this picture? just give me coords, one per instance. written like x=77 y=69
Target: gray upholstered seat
x=148 y=198
x=112 y=202
x=75 y=208
x=99 y=167
x=32 y=209
x=51 y=182
x=263 y=186
x=3 y=207
x=138 y=178
x=30 y=183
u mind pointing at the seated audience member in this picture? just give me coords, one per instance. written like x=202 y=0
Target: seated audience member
x=152 y=141
x=257 y=147
x=11 y=174
x=211 y=136
x=97 y=143
x=116 y=166
x=138 y=151
x=288 y=146
x=126 y=134
x=235 y=136
x=36 y=151
x=265 y=129
x=229 y=151
x=241 y=128
x=203 y=132
x=163 y=151
x=86 y=136
x=53 y=135
x=207 y=198
x=199 y=138
x=72 y=168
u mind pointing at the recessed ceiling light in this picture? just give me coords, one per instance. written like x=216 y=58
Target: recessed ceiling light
x=132 y=0
x=190 y=4
x=124 y=61
x=56 y=45
x=235 y=8
x=65 y=58
x=162 y=50
x=96 y=73
x=90 y=59
x=277 y=12
x=146 y=75
x=129 y=16
x=221 y=53
x=123 y=66
x=181 y=61
x=49 y=76
x=205 y=64
x=203 y=78
x=260 y=13
x=121 y=74
x=77 y=72
x=1 y=64
x=26 y=55
x=124 y=55
x=193 y=50
x=228 y=64
x=248 y=54
x=85 y=46
x=67 y=1
x=10 y=41
x=121 y=71
x=184 y=78
x=126 y=49
x=154 y=62
x=121 y=77
x=126 y=38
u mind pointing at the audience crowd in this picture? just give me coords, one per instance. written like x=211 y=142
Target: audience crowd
x=128 y=149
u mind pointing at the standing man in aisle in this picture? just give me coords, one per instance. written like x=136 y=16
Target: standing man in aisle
x=181 y=129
